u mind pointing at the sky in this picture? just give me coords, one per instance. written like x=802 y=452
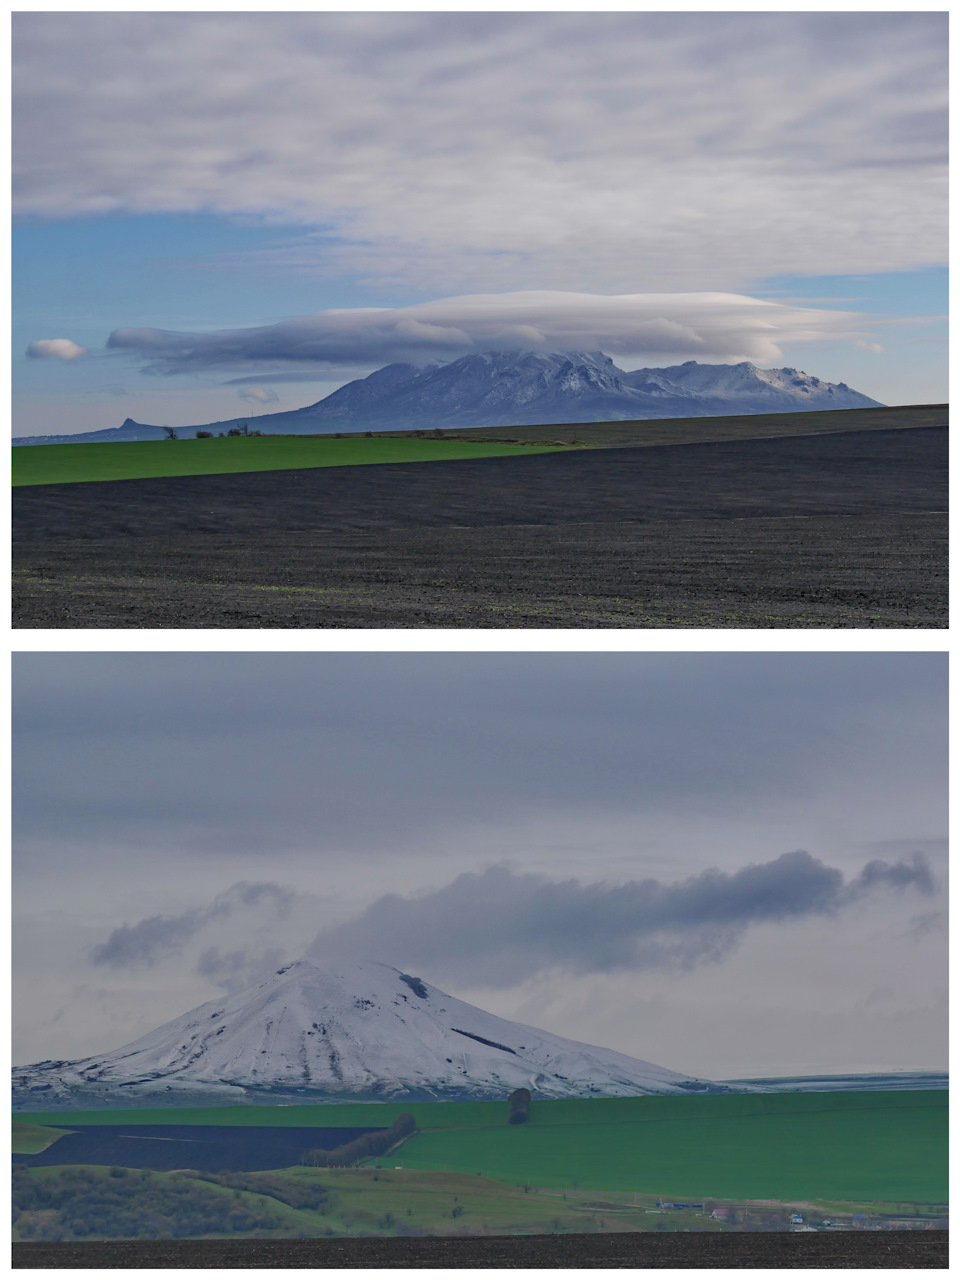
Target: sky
x=224 y=213
x=730 y=864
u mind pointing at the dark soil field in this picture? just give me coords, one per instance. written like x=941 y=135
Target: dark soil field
x=840 y=529
x=781 y=1250
x=207 y=1148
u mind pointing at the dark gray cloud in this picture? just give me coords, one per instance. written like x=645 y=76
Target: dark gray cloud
x=501 y=928
x=709 y=326
x=898 y=875
x=158 y=937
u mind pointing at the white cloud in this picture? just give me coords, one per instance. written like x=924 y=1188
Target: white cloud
x=258 y=395
x=55 y=349
x=459 y=151
x=868 y=346
x=705 y=326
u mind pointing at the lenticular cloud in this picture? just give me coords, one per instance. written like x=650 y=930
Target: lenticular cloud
x=703 y=326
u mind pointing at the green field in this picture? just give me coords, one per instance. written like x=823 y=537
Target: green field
x=428 y=1115
x=869 y=1146
x=139 y=460
x=836 y=1146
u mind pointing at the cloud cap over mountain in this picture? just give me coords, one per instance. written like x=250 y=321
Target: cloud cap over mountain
x=718 y=326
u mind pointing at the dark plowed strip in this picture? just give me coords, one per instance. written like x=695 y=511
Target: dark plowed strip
x=854 y=473
x=209 y=1148
x=835 y=1249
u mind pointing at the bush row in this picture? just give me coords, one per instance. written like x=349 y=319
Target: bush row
x=298 y=1193
x=368 y=1144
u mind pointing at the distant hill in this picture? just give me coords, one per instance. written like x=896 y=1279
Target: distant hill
x=503 y=389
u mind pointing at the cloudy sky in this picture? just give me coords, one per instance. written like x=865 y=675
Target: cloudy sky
x=730 y=864
x=217 y=213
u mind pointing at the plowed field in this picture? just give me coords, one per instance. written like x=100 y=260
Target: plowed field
x=835 y=530
x=834 y=1249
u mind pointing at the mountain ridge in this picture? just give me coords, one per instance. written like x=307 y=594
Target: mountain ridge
x=502 y=389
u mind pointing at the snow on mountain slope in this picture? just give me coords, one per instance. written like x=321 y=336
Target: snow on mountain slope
x=349 y=1030
x=769 y=390
x=512 y=388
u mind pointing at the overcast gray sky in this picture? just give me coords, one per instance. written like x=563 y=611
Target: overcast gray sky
x=726 y=863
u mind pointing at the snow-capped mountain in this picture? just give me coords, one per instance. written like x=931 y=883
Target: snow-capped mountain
x=348 y=1031
x=511 y=388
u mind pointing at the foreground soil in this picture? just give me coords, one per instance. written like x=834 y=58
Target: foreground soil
x=834 y=530
x=841 y=1249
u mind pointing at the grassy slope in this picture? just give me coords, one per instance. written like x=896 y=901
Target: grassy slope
x=426 y=1200
x=375 y=1202
x=135 y=460
x=295 y=1221
x=386 y=1202
x=30 y=1139
x=842 y=1146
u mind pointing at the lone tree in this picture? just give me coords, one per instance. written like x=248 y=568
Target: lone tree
x=519 y=1106
x=171 y=433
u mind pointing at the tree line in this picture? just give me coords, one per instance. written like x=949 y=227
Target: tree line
x=368 y=1144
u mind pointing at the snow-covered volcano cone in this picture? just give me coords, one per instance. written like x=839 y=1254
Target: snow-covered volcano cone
x=350 y=1030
